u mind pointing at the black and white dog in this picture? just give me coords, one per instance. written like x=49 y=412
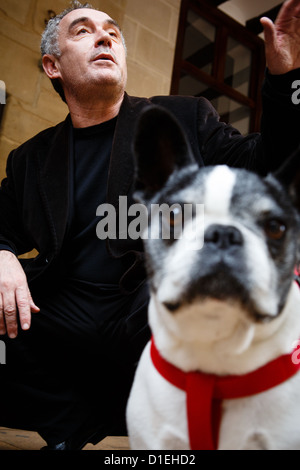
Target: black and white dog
x=221 y=371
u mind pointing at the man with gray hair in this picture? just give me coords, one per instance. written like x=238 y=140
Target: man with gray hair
x=74 y=318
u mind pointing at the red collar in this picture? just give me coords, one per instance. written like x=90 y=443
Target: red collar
x=205 y=391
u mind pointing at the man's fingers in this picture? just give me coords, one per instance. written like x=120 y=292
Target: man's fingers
x=23 y=304
x=269 y=30
x=10 y=314
x=291 y=8
x=2 y=321
x=277 y=56
x=12 y=305
x=270 y=38
x=34 y=308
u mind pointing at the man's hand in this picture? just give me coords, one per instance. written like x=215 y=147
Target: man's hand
x=282 y=39
x=15 y=297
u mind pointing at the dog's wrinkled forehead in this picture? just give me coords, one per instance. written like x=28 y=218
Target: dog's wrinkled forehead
x=225 y=191
x=237 y=191
x=218 y=189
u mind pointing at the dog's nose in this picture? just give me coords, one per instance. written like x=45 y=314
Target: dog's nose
x=223 y=236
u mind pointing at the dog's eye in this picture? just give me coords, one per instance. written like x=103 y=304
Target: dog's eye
x=275 y=229
x=175 y=217
x=172 y=223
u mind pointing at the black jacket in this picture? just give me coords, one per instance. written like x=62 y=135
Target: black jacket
x=34 y=197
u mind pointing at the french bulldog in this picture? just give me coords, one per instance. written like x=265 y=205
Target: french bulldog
x=221 y=369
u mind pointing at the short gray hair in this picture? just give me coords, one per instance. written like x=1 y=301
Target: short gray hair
x=50 y=44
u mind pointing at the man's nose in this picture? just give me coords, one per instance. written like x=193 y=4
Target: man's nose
x=103 y=38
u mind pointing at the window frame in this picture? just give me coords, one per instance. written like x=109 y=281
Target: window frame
x=225 y=27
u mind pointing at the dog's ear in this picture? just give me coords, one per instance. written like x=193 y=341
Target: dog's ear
x=160 y=148
x=289 y=176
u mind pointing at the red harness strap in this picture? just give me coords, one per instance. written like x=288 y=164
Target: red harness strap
x=205 y=392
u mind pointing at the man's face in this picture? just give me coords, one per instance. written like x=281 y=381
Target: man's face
x=92 y=53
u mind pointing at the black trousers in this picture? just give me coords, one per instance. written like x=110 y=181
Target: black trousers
x=75 y=366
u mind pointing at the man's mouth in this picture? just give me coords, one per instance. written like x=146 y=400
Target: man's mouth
x=104 y=57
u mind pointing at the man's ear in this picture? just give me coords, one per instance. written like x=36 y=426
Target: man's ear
x=50 y=66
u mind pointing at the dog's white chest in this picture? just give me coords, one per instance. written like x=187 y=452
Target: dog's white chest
x=264 y=421
x=166 y=426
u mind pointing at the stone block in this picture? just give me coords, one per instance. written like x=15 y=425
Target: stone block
x=20 y=35
x=50 y=106
x=41 y=12
x=130 y=29
x=144 y=82
x=174 y=20
x=19 y=124
x=154 y=15
x=19 y=69
x=16 y=9
x=115 y=9
x=154 y=52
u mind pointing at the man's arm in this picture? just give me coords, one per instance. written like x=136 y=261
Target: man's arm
x=16 y=303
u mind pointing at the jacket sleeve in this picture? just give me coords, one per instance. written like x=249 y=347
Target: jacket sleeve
x=13 y=235
x=261 y=152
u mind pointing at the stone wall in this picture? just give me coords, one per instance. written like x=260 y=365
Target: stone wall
x=150 y=29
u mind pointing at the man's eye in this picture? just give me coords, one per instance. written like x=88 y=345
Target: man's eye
x=82 y=31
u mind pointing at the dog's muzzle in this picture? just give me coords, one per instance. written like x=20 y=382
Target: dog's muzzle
x=219 y=269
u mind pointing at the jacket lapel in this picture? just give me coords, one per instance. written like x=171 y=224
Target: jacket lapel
x=54 y=182
x=121 y=168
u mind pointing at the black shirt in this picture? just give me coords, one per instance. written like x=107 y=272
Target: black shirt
x=86 y=255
